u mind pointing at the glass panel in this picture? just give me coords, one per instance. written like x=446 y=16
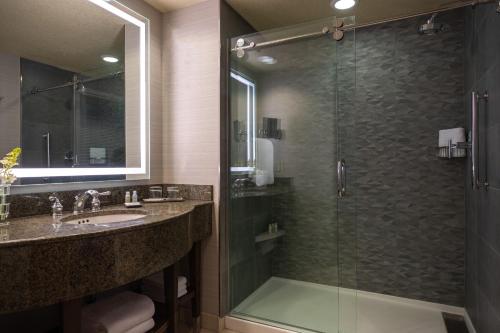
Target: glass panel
x=287 y=258
x=346 y=111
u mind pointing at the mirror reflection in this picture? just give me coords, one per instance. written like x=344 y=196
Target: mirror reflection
x=67 y=87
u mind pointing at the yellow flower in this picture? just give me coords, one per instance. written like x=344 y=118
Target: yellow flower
x=8 y=162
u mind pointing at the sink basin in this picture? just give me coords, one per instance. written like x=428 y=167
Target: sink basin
x=105 y=217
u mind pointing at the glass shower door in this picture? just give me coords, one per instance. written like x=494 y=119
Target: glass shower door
x=291 y=250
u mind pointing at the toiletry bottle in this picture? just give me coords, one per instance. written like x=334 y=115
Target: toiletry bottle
x=134 y=197
x=127 y=197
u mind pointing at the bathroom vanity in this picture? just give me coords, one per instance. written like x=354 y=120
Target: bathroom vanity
x=46 y=260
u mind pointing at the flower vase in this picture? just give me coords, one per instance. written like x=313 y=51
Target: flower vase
x=4 y=204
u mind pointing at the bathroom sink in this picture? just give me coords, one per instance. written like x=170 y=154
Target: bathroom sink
x=105 y=217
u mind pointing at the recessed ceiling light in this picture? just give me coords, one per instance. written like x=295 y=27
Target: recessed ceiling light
x=267 y=60
x=342 y=4
x=109 y=58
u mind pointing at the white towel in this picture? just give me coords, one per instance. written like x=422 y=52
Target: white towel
x=143 y=327
x=264 y=162
x=118 y=313
x=453 y=134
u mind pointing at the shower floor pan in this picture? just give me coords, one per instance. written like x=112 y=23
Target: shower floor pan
x=308 y=307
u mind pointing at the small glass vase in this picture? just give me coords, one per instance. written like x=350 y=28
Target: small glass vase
x=4 y=204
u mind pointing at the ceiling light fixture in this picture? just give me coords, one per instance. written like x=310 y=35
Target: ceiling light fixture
x=109 y=58
x=267 y=60
x=342 y=4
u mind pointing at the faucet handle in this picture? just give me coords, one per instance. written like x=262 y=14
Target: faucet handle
x=96 y=194
x=96 y=203
x=57 y=207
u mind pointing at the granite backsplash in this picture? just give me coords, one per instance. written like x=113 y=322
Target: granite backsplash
x=22 y=205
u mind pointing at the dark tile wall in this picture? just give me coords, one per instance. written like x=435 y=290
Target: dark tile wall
x=301 y=92
x=249 y=262
x=50 y=111
x=410 y=204
x=380 y=106
x=483 y=206
x=101 y=121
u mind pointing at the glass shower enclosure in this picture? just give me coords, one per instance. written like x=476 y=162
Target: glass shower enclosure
x=291 y=231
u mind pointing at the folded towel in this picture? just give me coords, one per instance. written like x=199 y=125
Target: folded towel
x=264 y=174
x=118 y=313
x=453 y=134
x=143 y=327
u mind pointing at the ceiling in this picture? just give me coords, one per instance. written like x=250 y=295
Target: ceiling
x=269 y=14
x=71 y=35
x=170 y=5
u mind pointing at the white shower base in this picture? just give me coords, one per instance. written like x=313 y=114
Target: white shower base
x=308 y=307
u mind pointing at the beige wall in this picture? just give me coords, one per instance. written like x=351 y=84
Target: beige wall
x=10 y=105
x=191 y=119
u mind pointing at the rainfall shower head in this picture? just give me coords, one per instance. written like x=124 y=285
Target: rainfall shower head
x=430 y=27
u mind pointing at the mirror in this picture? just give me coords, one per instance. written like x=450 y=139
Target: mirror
x=243 y=117
x=73 y=90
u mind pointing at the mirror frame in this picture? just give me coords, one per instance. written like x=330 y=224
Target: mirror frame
x=143 y=24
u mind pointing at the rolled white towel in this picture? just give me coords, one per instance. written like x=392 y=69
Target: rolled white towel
x=453 y=134
x=143 y=327
x=118 y=313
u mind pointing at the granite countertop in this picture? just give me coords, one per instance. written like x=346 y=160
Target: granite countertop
x=45 y=228
x=46 y=262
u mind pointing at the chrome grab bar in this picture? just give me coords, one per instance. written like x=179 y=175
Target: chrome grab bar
x=341 y=178
x=475 y=138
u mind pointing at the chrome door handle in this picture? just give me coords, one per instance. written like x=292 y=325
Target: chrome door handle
x=341 y=179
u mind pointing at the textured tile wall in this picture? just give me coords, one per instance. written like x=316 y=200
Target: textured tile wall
x=410 y=204
x=483 y=207
x=407 y=204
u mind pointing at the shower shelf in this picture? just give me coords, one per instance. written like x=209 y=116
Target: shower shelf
x=265 y=236
x=458 y=150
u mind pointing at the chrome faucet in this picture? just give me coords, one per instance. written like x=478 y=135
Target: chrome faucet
x=57 y=207
x=81 y=199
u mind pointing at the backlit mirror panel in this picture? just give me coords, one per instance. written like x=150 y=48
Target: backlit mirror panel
x=73 y=89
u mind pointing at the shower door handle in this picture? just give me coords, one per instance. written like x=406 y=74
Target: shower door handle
x=341 y=179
